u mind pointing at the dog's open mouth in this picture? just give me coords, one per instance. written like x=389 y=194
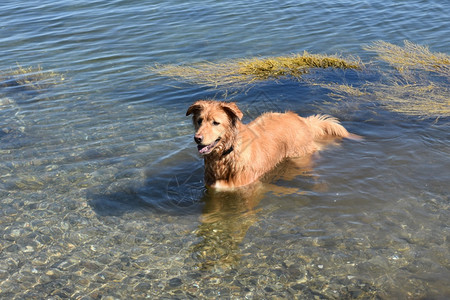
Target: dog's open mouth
x=206 y=149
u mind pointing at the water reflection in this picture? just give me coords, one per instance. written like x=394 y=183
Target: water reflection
x=228 y=215
x=225 y=220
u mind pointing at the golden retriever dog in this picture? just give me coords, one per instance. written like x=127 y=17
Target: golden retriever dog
x=238 y=154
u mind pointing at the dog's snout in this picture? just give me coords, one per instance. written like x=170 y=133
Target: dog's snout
x=198 y=138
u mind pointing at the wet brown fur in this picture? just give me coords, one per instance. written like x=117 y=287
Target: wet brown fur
x=246 y=152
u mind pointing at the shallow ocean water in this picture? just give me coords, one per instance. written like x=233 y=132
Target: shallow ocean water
x=101 y=192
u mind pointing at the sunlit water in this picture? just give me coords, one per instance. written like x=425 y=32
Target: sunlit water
x=101 y=190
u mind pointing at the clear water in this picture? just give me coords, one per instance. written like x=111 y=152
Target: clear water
x=101 y=191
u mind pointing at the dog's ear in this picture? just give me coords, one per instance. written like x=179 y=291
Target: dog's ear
x=194 y=108
x=232 y=110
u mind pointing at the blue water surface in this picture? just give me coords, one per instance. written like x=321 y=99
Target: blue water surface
x=101 y=188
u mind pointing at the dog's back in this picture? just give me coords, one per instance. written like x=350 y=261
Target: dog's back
x=289 y=135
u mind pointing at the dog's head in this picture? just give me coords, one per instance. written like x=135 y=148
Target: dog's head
x=215 y=125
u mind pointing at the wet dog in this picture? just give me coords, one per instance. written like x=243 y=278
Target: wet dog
x=238 y=154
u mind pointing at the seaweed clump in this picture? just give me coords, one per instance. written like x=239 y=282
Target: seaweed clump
x=31 y=78
x=295 y=66
x=411 y=57
x=418 y=85
x=241 y=72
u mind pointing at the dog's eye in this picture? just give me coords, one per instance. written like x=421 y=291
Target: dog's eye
x=199 y=121
x=215 y=123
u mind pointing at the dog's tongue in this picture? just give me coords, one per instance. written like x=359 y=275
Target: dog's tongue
x=202 y=149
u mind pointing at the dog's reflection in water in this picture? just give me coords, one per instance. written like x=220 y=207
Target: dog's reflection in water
x=227 y=215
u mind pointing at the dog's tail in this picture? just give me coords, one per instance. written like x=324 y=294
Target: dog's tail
x=323 y=126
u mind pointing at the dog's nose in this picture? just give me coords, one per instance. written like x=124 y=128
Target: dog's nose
x=198 y=138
